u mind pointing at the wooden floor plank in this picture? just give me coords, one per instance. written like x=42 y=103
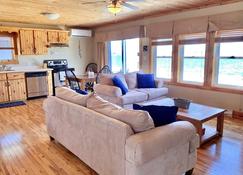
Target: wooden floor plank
x=25 y=147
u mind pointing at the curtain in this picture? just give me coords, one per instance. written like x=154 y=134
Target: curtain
x=119 y=34
x=189 y=26
x=101 y=54
x=159 y=30
x=228 y=21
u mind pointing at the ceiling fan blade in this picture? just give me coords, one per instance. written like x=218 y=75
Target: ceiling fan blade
x=93 y=2
x=130 y=6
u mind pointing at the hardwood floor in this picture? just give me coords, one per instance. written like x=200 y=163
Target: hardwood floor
x=25 y=147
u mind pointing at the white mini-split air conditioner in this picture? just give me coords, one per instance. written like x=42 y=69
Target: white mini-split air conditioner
x=80 y=33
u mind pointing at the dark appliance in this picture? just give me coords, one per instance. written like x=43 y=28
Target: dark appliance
x=58 y=74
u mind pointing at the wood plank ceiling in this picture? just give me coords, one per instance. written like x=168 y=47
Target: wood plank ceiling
x=74 y=13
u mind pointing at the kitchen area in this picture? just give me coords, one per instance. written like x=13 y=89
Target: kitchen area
x=18 y=85
x=32 y=61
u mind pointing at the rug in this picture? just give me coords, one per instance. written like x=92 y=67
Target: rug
x=12 y=104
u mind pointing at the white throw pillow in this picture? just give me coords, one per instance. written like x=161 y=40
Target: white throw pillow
x=138 y=120
x=71 y=96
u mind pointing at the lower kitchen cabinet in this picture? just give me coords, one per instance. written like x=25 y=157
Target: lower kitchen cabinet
x=4 y=97
x=17 y=89
x=12 y=87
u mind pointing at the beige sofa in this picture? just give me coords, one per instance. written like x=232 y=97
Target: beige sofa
x=111 y=147
x=108 y=91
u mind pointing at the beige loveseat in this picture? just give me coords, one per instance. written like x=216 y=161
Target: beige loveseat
x=112 y=147
x=108 y=91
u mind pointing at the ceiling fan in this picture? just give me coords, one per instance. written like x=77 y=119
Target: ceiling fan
x=114 y=6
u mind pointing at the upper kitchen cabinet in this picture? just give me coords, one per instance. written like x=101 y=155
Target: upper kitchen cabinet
x=58 y=37
x=40 y=42
x=52 y=36
x=26 y=42
x=36 y=41
x=63 y=37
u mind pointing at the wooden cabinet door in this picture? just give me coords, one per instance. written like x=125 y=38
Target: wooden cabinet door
x=40 y=40
x=63 y=37
x=4 y=91
x=17 y=89
x=52 y=36
x=26 y=42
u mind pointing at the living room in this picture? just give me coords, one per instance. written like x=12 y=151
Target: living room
x=121 y=87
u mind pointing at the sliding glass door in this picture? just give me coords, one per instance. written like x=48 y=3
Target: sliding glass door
x=124 y=55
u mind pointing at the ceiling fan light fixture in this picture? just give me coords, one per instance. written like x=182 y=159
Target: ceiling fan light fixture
x=114 y=8
x=51 y=16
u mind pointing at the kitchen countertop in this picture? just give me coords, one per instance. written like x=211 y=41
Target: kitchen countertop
x=25 y=70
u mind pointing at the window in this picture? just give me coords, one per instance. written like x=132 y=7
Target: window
x=7 y=48
x=132 y=55
x=192 y=58
x=229 y=59
x=123 y=55
x=116 y=60
x=162 y=51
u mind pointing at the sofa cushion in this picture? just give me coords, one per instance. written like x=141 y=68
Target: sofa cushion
x=131 y=79
x=106 y=79
x=161 y=115
x=71 y=96
x=145 y=80
x=118 y=83
x=134 y=96
x=154 y=92
x=138 y=120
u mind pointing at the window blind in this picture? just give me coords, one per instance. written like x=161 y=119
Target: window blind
x=229 y=36
x=197 y=38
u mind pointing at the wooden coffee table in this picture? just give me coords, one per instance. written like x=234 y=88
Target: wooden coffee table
x=198 y=114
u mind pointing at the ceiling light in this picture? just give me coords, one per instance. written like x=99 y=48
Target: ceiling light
x=114 y=8
x=51 y=16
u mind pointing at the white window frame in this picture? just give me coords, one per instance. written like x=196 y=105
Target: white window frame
x=236 y=37
x=162 y=42
x=190 y=40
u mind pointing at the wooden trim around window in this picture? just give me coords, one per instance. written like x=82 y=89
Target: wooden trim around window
x=209 y=59
x=209 y=67
x=195 y=86
x=175 y=59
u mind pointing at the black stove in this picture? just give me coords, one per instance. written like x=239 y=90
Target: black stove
x=58 y=74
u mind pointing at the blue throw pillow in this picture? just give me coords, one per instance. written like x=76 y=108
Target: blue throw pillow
x=118 y=83
x=81 y=91
x=145 y=81
x=161 y=115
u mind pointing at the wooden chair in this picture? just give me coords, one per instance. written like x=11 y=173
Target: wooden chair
x=91 y=67
x=105 y=70
x=72 y=79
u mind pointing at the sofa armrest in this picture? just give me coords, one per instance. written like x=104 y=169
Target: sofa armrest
x=107 y=90
x=145 y=146
x=159 y=83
